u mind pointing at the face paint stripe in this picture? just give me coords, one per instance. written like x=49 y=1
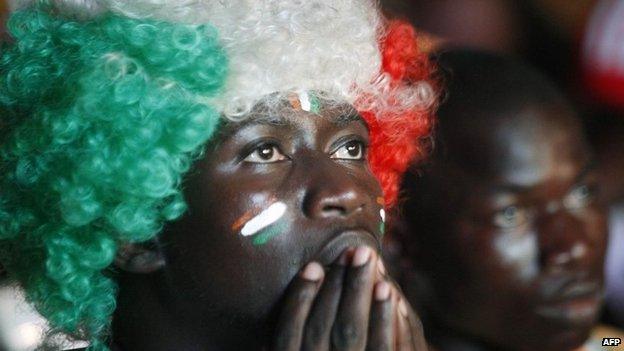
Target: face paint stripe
x=382 y=214
x=304 y=99
x=264 y=219
x=315 y=104
x=242 y=220
x=294 y=101
x=265 y=235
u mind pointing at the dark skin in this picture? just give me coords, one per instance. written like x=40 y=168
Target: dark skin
x=515 y=253
x=316 y=284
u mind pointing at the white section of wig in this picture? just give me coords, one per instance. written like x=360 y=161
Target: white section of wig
x=277 y=46
x=285 y=46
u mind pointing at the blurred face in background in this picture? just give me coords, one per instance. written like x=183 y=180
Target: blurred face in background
x=515 y=255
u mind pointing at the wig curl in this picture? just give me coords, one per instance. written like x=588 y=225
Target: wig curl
x=105 y=105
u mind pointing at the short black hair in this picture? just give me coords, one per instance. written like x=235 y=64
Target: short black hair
x=479 y=82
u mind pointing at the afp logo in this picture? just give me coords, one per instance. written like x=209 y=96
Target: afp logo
x=611 y=341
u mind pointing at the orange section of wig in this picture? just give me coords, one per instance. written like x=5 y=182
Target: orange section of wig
x=396 y=140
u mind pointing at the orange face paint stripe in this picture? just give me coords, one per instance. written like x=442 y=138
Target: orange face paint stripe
x=238 y=224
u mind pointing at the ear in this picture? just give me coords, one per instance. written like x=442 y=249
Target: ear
x=140 y=258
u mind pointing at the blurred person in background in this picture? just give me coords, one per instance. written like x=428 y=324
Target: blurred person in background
x=513 y=251
x=602 y=55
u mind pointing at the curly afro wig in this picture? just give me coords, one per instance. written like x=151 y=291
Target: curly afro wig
x=106 y=104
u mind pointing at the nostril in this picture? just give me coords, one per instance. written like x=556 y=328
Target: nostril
x=331 y=211
x=332 y=203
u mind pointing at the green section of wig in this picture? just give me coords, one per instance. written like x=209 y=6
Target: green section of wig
x=99 y=122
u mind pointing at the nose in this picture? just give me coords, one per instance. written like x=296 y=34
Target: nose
x=564 y=242
x=331 y=192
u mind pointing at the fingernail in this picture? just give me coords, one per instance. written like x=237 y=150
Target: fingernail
x=361 y=256
x=312 y=272
x=382 y=291
x=380 y=267
x=403 y=308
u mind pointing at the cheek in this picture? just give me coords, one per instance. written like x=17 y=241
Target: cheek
x=519 y=254
x=503 y=259
x=595 y=223
x=230 y=252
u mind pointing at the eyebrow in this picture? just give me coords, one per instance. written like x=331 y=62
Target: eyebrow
x=513 y=188
x=344 y=119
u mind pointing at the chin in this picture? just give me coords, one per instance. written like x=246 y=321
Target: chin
x=566 y=340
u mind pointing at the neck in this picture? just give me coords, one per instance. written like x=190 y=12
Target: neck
x=146 y=318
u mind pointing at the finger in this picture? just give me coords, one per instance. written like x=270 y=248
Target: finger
x=416 y=328
x=321 y=318
x=404 y=339
x=350 y=328
x=295 y=308
x=409 y=329
x=381 y=270
x=381 y=325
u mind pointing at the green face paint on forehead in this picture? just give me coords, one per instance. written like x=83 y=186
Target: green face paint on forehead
x=315 y=104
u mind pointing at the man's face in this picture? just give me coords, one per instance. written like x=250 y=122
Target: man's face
x=525 y=245
x=271 y=194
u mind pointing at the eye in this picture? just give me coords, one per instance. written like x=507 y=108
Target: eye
x=511 y=217
x=265 y=153
x=352 y=150
x=579 y=197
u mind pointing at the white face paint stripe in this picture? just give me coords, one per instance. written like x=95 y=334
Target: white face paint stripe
x=264 y=219
x=382 y=214
x=304 y=100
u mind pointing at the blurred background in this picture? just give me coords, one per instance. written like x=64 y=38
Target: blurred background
x=578 y=43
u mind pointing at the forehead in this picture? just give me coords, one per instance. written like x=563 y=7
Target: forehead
x=286 y=114
x=523 y=148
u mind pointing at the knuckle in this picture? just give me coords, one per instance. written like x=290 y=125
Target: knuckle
x=304 y=294
x=359 y=279
x=346 y=336
x=314 y=333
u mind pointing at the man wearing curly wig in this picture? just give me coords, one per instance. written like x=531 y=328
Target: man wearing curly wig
x=195 y=175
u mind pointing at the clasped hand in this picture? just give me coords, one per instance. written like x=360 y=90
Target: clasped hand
x=352 y=305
